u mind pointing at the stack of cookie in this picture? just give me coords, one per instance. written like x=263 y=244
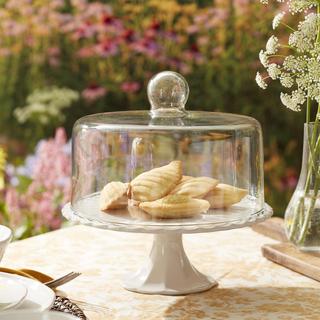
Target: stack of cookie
x=165 y=193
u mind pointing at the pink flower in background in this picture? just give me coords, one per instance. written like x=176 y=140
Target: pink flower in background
x=93 y=93
x=202 y=41
x=86 y=52
x=107 y=18
x=128 y=35
x=13 y=204
x=106 y=48
x=146 y=46
x=12 y=200
x=217 y=51
x=194 y=54
x=12 y=28
x=52 y=161
x=49 y=171
x=4 y=52
x=130 y=87
x=85 y=30
x=192 y=29
x=46 y=193
x=54 y=56
x=53 y=51
x=56 y=4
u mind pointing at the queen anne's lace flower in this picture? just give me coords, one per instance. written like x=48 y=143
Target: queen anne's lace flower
x=303 y=81
x=260 y=81
x=277 y=20
x=299 y=41
x=293 y=101
x=299 y=70
x=286 y=80
x=274 y=71
x=293 y=64
x=308 y=27
x=263 y=58
x=314 y=68
x=296 y=6
x=272 y=45
x=314 y=92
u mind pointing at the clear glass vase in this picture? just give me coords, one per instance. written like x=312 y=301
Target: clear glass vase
x=302 y=217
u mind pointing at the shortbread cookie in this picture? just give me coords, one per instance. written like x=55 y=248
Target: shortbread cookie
x=185 y=178
x=137 y=213
x=195 y=187
x=175 y=207
x=156 y=183
x=224 y=196
x=114 y=196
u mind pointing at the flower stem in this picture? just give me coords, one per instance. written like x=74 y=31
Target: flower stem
x=318 y=12
x=308 y=110
x=286 y=25
x=314 y=144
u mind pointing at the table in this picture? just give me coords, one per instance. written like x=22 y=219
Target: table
x=251 y=287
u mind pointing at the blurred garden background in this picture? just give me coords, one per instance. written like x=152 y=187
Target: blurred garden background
x=63 y=59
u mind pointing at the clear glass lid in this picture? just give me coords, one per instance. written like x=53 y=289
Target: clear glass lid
x=167 y=166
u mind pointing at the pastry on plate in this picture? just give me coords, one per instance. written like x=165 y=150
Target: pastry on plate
x=137 y=213
x=175 y=207
x=195 y=187
x=224 y=196
x=156 y=183
x=114 y=196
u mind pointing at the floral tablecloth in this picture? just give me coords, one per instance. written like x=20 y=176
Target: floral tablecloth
x=250 y=287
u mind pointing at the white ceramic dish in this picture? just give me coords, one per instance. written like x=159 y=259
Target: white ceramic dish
x=29 y=315
x=39 y=297
x=12 y=293
x=5 y=238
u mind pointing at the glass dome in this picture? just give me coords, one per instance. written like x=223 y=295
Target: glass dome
x=167 y=166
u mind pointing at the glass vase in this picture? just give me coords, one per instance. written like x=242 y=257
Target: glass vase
x=302 y=216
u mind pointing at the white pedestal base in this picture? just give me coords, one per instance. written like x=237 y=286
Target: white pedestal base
x=168 y=270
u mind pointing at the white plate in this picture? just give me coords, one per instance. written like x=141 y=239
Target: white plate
x=12 y=293
x=28 y=315
x=39 y=297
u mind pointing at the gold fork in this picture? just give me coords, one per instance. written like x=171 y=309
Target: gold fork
x=45 y=279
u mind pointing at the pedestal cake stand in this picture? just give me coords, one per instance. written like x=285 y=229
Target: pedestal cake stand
x=168 y=270
x=215 y=146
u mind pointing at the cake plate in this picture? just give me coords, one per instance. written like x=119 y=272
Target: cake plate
x=167 y=270
x=118 y=146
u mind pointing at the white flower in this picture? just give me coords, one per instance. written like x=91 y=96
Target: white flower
x=314 y=68
x=277 y=20
x=45 y=104
x=303 y=81
x=314 y=92
x=296 y=6
x=263 y=58
x=260 y=81
x=291 y=63
x=264 y=1
x=272 y=45
x=293 y=101
x=299 y=70
x=308 y=27
x=298 y=40
x=286 y=80
x=274 y=71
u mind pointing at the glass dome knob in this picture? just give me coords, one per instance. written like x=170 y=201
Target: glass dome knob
x=168 y=93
